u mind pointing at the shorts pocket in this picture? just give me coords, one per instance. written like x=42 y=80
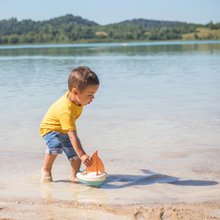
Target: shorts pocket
x=52 y=140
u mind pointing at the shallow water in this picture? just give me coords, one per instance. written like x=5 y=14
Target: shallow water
x=155 y=120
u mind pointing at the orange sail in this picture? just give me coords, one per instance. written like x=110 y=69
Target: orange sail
x=97 y=164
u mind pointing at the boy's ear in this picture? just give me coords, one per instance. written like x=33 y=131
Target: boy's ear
x=74 y=91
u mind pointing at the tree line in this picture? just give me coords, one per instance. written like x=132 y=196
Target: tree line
x=72 y=29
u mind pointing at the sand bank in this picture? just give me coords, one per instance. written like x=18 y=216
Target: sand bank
x=27 y=208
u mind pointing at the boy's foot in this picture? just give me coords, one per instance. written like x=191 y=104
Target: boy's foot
x=46 y=176
x=46 y=179
x=74 y=180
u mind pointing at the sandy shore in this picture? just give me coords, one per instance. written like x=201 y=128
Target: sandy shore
x=140 y=195
x=21 y=208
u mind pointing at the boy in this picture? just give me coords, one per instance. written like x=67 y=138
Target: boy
x=58 y=127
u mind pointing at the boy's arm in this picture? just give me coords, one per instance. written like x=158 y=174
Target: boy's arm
x=79 y=149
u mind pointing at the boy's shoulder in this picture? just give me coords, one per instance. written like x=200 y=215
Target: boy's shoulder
x=65 y=103
x=64 y=98
x=62 y=101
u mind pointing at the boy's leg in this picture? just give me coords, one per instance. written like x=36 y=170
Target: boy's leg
x=47 y=167
x=54 y=147
x=75 y=162
x=75 y=166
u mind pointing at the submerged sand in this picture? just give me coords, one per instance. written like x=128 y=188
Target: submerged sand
x=176 y=192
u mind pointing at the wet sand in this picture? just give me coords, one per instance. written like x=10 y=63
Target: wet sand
x=173 y=193
x=18 y=208
x=181 y=189
x=65 y=200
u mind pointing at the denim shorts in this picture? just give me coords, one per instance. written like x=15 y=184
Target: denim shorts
x=58 y=143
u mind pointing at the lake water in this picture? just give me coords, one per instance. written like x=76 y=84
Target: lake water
x=155 y=120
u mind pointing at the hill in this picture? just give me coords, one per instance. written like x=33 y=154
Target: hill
x=72 y=29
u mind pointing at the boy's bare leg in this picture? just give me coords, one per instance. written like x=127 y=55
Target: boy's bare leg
x=75 y=166
x=47 y=167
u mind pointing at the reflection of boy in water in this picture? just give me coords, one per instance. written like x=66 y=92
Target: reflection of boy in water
x=58 y=127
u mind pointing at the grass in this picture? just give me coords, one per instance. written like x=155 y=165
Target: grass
x=202 y=34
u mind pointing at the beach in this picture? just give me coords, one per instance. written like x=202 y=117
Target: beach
x=154 y=121
x=42 y=209
x=146 y=195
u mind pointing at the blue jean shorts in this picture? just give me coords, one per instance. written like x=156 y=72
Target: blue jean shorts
x=58 y=143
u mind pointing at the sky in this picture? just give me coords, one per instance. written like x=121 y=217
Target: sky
x=113 y=11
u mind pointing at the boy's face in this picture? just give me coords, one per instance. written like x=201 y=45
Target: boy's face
x=86 y=96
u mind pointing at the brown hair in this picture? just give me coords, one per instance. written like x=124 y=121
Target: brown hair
x=81 y=77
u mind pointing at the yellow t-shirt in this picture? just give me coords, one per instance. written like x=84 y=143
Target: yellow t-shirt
x=61 y=116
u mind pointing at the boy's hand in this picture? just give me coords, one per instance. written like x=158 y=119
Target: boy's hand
x=86 y=160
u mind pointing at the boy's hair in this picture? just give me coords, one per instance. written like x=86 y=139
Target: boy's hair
x=81 y=77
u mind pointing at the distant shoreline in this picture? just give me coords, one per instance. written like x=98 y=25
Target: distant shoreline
x=106 y=44
x=75 y=29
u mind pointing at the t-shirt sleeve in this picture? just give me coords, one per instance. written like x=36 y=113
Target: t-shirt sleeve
x=67 y=121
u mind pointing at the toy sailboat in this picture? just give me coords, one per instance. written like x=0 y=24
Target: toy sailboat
x=95 y=174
